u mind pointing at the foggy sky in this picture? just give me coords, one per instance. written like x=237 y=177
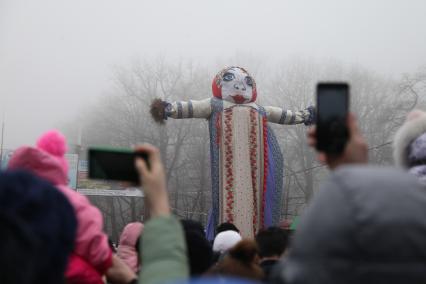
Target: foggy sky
x=56 y=57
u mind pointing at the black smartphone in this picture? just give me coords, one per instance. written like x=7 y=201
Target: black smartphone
x=332 y=114
x=114 y=164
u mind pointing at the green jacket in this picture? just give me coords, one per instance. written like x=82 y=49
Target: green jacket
x=164 y=257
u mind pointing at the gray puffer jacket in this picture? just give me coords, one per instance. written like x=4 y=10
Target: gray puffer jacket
x=366 y=225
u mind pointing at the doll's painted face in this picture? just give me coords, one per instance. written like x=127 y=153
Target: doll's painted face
x=235 y=85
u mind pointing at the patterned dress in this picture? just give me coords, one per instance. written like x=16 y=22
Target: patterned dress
x=246 y=161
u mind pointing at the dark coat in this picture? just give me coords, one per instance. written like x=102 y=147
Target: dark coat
x=267 y=267
x=365 y=225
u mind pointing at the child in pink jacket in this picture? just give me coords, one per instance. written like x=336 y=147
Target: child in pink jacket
x=92 y=256
x=127 y=249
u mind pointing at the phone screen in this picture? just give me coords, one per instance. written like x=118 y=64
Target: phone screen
x=332 y=112
x=114 y=164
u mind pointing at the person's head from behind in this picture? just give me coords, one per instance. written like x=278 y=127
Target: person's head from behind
x=200 y=252
x=365 y=225
x=240 y=261
x=272 y=242
x=225 y=241
x=38 y=228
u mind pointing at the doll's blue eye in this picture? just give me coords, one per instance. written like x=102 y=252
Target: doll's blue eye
x=249 y=81
x=228 y=77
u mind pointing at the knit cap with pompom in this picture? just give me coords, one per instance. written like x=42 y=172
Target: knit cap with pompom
x=54 y=143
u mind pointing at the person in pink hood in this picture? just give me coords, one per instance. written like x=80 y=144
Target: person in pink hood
x=127 y=248
x=92 y=256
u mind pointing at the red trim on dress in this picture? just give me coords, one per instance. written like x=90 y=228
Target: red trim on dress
x=229 y=178
x=265 y=170
x=253 y=163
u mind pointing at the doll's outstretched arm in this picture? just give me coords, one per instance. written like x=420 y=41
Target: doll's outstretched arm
x=284 y=116
x=161 y=110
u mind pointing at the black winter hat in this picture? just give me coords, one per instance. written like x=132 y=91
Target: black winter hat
x=38 y=228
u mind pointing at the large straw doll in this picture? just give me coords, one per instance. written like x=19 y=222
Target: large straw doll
x=246 y=161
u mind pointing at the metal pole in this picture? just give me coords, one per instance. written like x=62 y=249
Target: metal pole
x=1 y=144
x=78 y=150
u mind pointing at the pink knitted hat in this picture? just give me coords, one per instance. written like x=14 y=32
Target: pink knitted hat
x=54 y=143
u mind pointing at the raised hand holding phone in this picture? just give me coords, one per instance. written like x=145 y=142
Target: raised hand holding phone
x=355 y=150
x=336 y=136
x=153 y=179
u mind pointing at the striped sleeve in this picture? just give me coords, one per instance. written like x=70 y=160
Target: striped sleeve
x=191 y=109
x=284 y=116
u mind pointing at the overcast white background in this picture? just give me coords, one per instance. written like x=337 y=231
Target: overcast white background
x=56 y=57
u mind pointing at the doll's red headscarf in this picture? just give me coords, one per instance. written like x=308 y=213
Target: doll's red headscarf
x=217 y=86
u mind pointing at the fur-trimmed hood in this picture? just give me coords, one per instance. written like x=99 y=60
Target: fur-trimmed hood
x=414 y=126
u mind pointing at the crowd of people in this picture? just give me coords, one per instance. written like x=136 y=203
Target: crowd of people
x=366 y=224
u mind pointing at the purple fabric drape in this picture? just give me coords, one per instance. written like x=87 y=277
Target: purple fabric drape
x=270 y=189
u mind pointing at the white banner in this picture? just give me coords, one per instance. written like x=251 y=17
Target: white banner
x=111 y=192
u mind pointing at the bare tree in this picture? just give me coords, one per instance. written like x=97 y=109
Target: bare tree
x=378 y=102
x=122 y=119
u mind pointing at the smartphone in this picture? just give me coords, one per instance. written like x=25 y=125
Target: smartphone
x=332 y=114
x=114 y=164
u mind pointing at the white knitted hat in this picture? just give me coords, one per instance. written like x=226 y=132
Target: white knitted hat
x=226 y=240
